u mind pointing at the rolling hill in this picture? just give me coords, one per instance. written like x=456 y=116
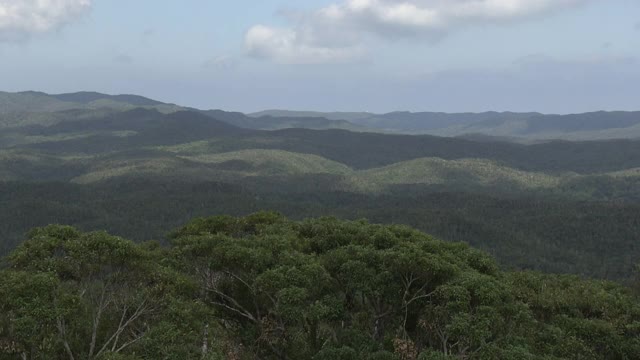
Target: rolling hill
x=509 y=125
x=462 y=174
x=193 y=133
x=39 y=102
x=25 y=108
x=348 y=116
x=271 y=122
x=138 y=170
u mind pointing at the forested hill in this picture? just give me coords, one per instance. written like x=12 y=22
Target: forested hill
x=142 y=169
x=148 y=127
x=508 y=126
x=264 y=287
x=518 y=127
x=39 y=102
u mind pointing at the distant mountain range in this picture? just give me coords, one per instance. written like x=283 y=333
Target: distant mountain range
x=506 y=125
x=17 y=109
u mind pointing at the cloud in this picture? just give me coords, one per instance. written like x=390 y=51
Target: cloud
x=289 y=46
x=637 y=26
x=21 y=18
x=338 y=32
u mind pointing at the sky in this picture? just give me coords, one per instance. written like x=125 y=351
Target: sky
x=552 y=56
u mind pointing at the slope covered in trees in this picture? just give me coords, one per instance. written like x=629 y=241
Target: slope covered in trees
x=523 y=127
x=596 y=239
x=39 y=102
x=264 y=287
x=509 y=126
x=556 y=207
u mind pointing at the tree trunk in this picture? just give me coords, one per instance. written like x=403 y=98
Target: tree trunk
x=205 y=341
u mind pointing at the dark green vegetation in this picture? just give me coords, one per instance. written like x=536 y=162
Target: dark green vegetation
x=139 y=168
x=264 y=287
x=590 y=238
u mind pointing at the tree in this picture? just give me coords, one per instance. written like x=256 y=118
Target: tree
x=264 y=287
x=103 y=292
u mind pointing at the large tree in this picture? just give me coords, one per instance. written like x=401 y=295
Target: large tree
x=264 y=287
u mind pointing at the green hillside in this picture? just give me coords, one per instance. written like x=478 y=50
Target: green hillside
x=261 y=162
x=31 y=102
x=194 y=162
x=162 y=167
x=471 y=173
x=519 y=127
x=38 y=102
x=229 y=167
x=19 y=108
x=554 y=206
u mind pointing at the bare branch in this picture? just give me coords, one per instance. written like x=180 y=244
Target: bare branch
x=102 y=305
x=131 y=342
x=253 y=291
x=140 y=310
x=238 y=308
x=124 y=313
x=62 y=329
x=240 y=312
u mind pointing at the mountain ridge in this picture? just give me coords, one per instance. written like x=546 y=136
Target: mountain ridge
x=525 y=127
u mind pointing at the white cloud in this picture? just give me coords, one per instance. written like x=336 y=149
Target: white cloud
x=293 y=46
x=336 y=33
x=21 y=18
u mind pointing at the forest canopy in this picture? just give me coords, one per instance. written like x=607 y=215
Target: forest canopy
x=265 y=287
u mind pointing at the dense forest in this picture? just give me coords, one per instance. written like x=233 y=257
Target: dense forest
x=139 y=168
x=184 y=233
x=264 y=287
x=596 y=239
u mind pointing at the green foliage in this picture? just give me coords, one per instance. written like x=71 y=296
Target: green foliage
x=265 y=287
x=26 y=319
x=92 y=296
x=328 y=289
x=343 y=353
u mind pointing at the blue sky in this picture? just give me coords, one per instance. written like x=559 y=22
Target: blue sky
x=555 y=56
